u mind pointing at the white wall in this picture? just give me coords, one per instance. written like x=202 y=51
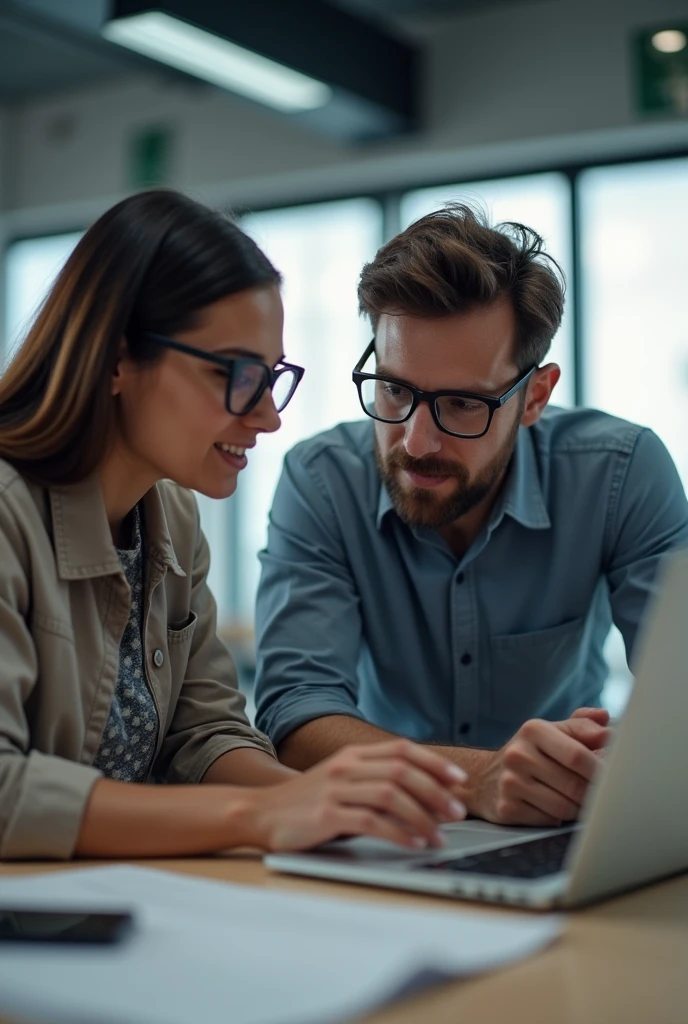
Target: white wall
x=541 y=82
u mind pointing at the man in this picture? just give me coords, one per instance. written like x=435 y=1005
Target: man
x=448 y=568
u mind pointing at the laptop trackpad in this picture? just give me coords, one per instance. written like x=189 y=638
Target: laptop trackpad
x=462 y=837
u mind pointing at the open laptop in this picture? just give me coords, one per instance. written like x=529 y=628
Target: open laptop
x=634 y=825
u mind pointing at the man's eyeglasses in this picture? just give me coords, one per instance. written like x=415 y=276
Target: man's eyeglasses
x=247 y=376
x=459 y=413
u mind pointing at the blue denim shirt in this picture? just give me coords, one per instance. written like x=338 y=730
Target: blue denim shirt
x=359 y=614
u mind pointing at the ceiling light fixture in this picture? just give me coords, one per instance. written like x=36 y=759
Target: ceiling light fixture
x=670 y=40
x=217 y=60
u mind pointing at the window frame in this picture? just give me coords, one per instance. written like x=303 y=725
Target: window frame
x=389 y=201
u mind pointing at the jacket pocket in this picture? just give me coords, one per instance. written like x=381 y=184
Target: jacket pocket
x=535 y=675
x=179 y=648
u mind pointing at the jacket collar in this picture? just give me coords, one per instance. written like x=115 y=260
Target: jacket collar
x=521 y=496
x=82 y=538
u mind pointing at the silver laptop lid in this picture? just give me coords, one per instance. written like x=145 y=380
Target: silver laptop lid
x=637 y=815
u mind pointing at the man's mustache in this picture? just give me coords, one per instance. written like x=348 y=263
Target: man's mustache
x=426 y=466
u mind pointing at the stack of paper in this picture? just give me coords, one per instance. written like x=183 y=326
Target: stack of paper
x=227 y=954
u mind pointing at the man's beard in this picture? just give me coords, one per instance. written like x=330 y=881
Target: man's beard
x=420 y=506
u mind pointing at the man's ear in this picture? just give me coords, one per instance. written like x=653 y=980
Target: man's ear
x=539 y=390
x=119 y=370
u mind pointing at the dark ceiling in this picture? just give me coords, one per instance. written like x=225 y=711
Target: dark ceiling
x=419 y=9
x=49 y=46
x=40 y=56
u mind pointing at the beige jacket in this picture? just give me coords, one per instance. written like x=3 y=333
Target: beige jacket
x=64 y=603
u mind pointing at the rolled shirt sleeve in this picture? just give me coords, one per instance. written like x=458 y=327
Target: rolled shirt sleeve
x=308 y=622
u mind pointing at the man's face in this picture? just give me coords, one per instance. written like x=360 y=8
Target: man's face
x=433 y=478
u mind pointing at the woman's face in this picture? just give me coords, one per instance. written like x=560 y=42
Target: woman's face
x=173 y=420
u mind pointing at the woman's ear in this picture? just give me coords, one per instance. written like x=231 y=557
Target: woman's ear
x=119 y=372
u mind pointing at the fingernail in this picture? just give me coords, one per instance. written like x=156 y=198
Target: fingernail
x=457 y=810
x=439 y=839
x=456 y=773
x=418 y=843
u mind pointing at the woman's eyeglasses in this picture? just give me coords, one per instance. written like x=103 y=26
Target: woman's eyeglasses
x=247 y=376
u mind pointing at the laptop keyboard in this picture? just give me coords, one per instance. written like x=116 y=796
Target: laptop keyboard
x=533 y=858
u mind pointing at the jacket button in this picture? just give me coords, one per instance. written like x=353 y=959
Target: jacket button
x=158 y=658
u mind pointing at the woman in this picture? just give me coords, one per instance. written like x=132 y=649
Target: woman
x=153 y=366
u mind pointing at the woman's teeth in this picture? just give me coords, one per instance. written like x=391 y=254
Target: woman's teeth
x=231 y=448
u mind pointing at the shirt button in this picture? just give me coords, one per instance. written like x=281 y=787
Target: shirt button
x=158 y=658
x=464 y=728
x=466 y=659
x=460 y=577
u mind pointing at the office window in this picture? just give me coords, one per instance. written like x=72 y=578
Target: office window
x=31 y=266
x=320 y=250
x=542 y=202
x=634 y=224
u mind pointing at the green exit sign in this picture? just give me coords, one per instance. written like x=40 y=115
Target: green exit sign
x=149 y=157
x=662 y=69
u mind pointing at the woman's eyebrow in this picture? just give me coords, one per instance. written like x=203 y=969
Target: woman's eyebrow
x=245 y=353
x=236 y=351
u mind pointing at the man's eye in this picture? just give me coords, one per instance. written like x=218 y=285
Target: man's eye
x=463 y=405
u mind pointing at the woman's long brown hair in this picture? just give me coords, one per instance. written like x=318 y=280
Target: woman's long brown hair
x=151 y=263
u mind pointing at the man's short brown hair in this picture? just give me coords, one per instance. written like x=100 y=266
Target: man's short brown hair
x=452 y=261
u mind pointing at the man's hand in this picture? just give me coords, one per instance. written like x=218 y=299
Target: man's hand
x=541 y=776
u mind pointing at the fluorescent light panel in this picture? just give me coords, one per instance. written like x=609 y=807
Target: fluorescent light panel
x=216 y=60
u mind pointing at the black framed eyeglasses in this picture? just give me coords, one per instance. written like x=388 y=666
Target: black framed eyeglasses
x=459 y=413
x=247 y=376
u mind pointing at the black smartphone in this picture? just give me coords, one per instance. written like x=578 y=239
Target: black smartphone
x=63 y=926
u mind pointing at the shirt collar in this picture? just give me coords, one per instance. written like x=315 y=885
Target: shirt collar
x=82 y=538
x=521 y=497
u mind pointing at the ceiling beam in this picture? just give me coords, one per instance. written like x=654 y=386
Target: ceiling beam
x=374 y=76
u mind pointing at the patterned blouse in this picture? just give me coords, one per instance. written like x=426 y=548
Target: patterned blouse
x=129 y=739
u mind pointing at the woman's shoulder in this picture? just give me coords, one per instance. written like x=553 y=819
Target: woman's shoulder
x=23 y=509
x=16 y=492
x=9 y=476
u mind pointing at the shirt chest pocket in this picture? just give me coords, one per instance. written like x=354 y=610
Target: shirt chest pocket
x=532 y=674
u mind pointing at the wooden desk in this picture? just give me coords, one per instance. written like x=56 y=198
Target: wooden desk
x=622 y=961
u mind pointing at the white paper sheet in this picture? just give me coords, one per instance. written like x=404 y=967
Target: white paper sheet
x=227 y=954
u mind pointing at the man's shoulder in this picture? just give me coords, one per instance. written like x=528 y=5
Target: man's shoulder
x=561 y=431
x=347 y=445
x=337 y=465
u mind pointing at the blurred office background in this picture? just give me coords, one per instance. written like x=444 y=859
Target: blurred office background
x=568 y=115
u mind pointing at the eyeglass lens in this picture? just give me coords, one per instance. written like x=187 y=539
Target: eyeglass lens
x=250 y=379
x=392 y=402
x=283 y=388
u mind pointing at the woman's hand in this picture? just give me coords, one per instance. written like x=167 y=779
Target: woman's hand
x=394 y=790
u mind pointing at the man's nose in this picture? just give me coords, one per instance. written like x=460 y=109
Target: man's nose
x=422 y=436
